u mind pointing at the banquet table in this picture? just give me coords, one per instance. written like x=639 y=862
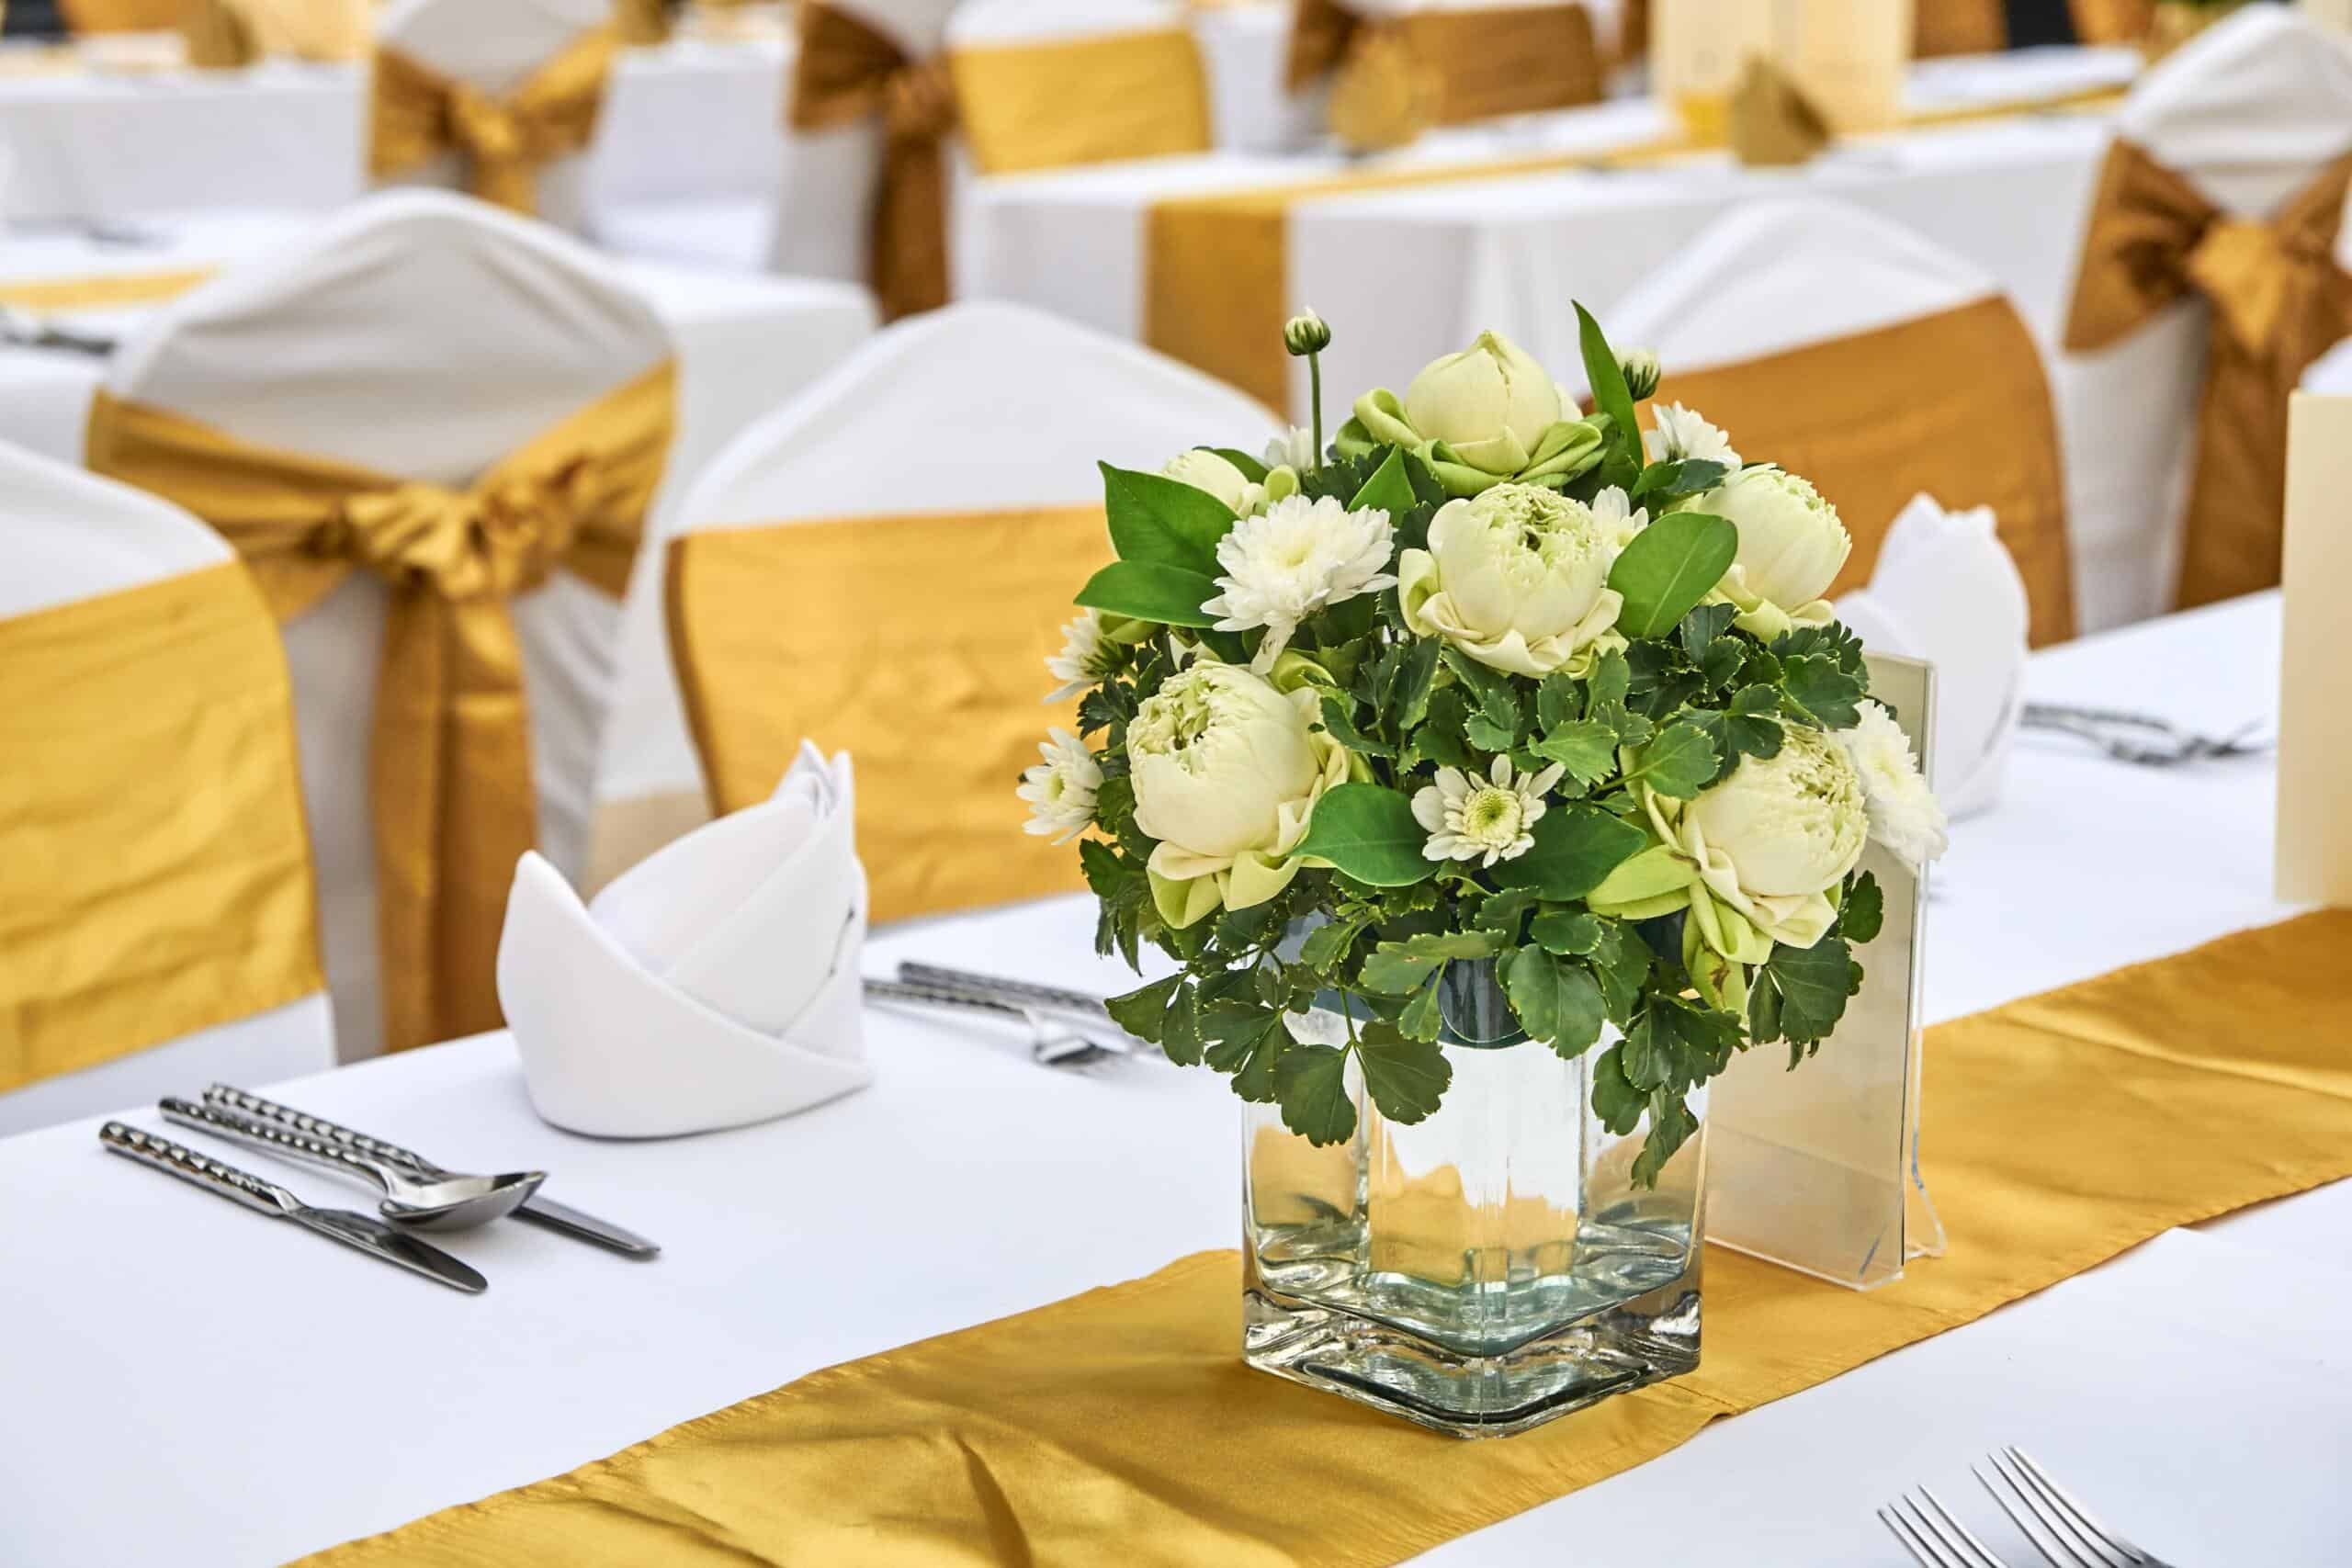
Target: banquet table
x=181 y=1377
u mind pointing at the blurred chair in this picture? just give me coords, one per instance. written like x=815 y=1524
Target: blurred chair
x=892 y=103
x=1463 y=63
x=1846 y=349
x=157 y=926
x=1981 y=27
x=824 y=584
x=434 y=431
x=2215 y=235
x=499 y=97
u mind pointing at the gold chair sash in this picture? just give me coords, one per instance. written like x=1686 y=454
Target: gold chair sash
x=154 y=869
x=1482 y=63
x=449 y=766
x=121 y=16
x=217 y=35
x=1052 y=103
x=2280 y=299
x=1982 y=26
x=921 y=654
x=1884 y=414
x=419 y=113
x=2068 y=1128
x=846 y=69
x=644 y=24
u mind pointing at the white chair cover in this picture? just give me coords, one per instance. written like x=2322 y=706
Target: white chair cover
x=974 y=407
x=423 y=335
x=2249 y=113
x=66 y=535
x=493 y=45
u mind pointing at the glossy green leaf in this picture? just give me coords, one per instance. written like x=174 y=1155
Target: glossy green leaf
x=1370 y=833
x=1147 y=591
x=1669 y=567
x=1165 y=522
x=1575 y=848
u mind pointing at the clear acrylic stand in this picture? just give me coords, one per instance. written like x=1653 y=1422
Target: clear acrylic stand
x=1819 y=1169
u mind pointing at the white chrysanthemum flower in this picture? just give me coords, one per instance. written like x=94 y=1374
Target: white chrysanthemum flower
x=1295 y=450
x=1494 y=816
x=1060 y=790
x=1683 y=432
x=1619 y=518
x=1297 y=558
x=1085 y=659
x=1905 y=814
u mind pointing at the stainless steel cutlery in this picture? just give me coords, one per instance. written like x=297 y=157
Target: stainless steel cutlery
x=1054 y=1040
x=536 y=1206
x=365 y=1234
x=2057 y=1526
x=2146 y=740
x=1025 y=994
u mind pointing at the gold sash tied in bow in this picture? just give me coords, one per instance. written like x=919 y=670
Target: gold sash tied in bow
x=419 y=113
x=2280 y=299
x=449 y=766
x=1482 y=63
x=848 y=69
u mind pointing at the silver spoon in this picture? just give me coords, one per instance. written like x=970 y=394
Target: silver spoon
x=444 y=1203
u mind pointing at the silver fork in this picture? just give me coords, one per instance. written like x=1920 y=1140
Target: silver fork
x=1932 y=1536
x=1053 y=1041
x=2073 y=1538
x=2166 y=743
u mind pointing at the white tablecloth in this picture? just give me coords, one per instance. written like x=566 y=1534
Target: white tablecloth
x=171 y=1361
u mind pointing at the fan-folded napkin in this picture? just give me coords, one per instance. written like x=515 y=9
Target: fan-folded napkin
x=715 y=983
x=1946 y=591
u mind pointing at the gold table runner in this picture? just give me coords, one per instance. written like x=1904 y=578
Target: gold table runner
x=2062 y=1129
x=1216 y=266
x=103 y=290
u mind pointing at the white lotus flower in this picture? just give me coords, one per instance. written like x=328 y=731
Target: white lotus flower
x=1205 y=470
x=1682 y=432
x=1792 y=544
x=1494 y=816
x=1491 y=403
x=1060 y=790
x=1905 y=814
x=1085 y=658
x=1518 y=579
x=1295 y=450
x=1296 y=559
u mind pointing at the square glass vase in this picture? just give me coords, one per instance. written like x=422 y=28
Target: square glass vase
x=1486 y=1270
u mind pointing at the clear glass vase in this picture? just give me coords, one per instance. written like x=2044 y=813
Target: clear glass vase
x=1486 y=1270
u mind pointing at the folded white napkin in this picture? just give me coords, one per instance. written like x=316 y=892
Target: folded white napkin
x=1946 y=591
x=713 y=984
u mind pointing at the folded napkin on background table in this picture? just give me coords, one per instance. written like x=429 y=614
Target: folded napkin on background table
x=1946 y=591
x=715 y=983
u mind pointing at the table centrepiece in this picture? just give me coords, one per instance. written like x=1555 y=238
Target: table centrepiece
x=1495 y=777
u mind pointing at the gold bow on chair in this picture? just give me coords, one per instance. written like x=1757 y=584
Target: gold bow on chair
x=848 y=69
x=1483 y=63
x=2280 y=298
x=450 y=762
x=419 y=113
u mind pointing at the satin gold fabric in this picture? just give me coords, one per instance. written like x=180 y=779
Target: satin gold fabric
x=1982 y=26
x=2280 y=299
x=1482 y=63
x=1954 y=405
x=450 y=765
x=103 y=291
x=217 y=35
x=121 y=16
x=848 y=69
x=1216 y=265
x=157 y=874
x=2063 y=1130
x=418 y=113
x=915 y=643
x=644 y=24
x=1047 y=104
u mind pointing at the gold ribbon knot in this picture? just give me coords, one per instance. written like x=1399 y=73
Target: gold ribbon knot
x=2280 y=299
x=419 y=113
x=1479 y=63
x=450 y=765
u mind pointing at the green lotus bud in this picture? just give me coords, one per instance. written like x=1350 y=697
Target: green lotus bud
x=1305 y=334
x=1641 y=368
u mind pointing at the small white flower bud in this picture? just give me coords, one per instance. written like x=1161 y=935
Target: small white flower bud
x=1305 y=334
x=1641 y=368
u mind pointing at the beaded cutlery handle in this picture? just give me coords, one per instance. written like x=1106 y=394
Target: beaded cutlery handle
x=929 y=996
x=276 y=1140
x=178 y=1159
x=254 y=1107
x=999 y=989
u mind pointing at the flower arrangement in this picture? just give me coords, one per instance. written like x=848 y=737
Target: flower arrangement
x=1486 y=681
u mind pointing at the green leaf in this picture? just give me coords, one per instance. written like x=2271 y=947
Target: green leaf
x=1251 y=468
x=1327 y=946
x=1370 y=833
x=1813 y=983
x=1575 y=849
x=1863 y=912
x=1422 y=1018
x=1671 y=1126
x=1702 y=626
x=1559 y=701
x=1722 y=659
x=1311 y=1081
x=1571 y=933
x=1404 y=1077
x=1397 y=968
x=1680 y=762
x=1416 y=674
x=1669 y=567
x=1689 y=477
x=1338 y=721
x=1558 y=1001
x=1495 y=727
x=1179 y=1033
x=1611 y=679
x=1501 y=912
x=1750 y=727
x=1144 y=1012
x=1620 y=962
x=1162 y=521
x=1610 y=394
x=1818 y=690
x=1616 y=1101
x=1435 y=745
x=1587 y=747
x=1259 y=1077
x=1147 y=591
x=1388 y=489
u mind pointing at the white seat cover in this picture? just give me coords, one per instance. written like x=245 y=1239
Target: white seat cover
x=975 y=407
x=423 y=335
x=66 y=536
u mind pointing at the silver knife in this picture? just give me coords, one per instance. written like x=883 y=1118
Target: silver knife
x=368 y=1235
x=540 y=1210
